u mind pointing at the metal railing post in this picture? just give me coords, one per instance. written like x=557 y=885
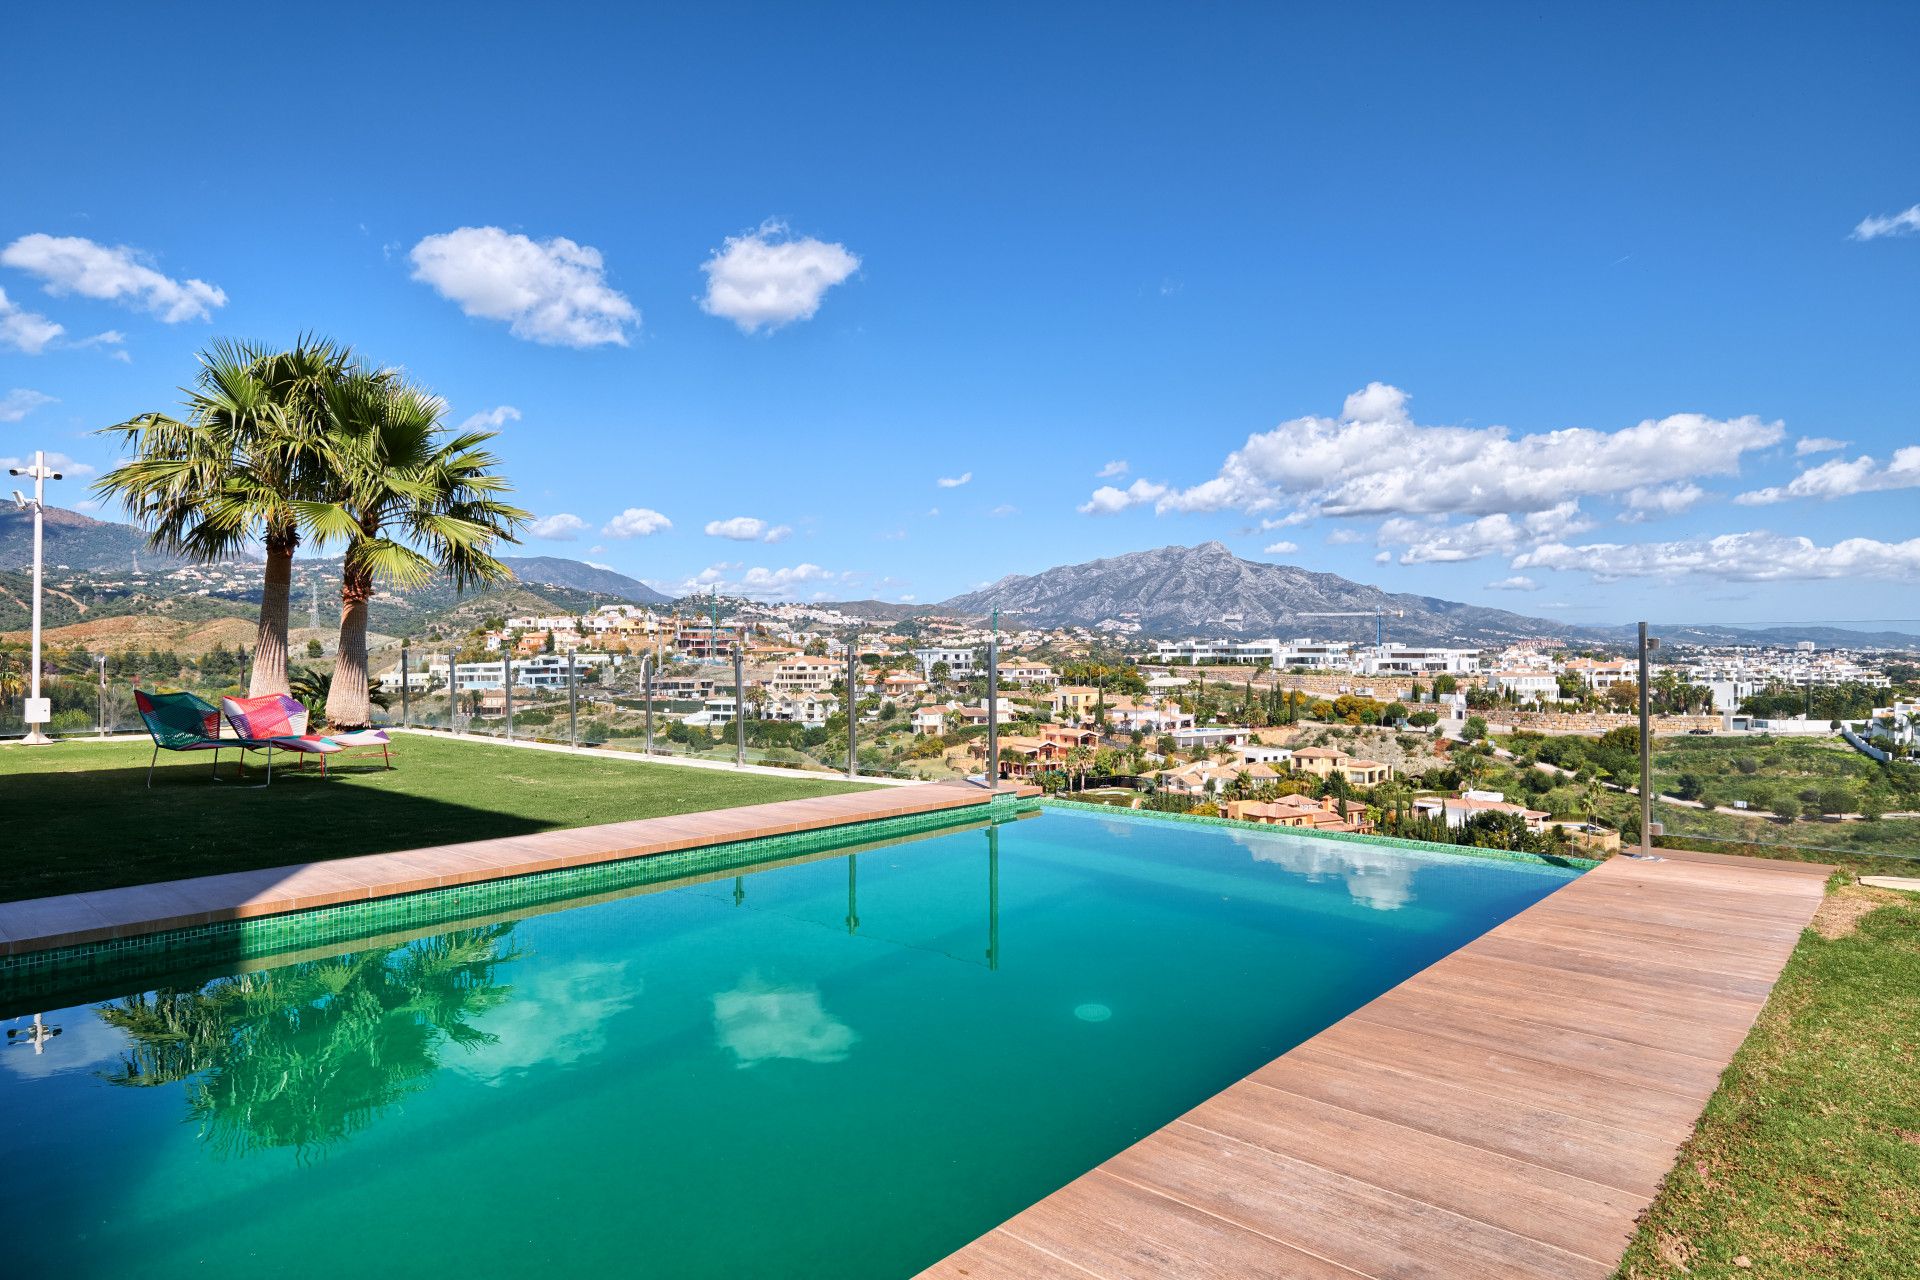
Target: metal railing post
x=573 y=704
x=1646 y=755
x=739 y=706
x=993 y=713
x=853 y=704
x=646 y=683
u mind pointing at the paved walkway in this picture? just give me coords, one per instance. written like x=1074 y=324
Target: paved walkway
x=71 y=919
x=1507 y=1112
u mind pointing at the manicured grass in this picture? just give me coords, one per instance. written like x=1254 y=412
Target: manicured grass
x=1807 y=1161
x=77 y=815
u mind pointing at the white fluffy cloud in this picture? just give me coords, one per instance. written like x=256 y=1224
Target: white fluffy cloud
x=1644 y=502
x=561 y=527
x=1281 y=548
x=74 y=264
x=491 y=419
x=748 y=529
x=1112 y=471
x=1817 y=444
x=548 y=291
x=768 y=278
x=954 y=482
x=1432 y=540
x=1844 y=477
x=20 y=402
x=1107 y=500
x=1375 y=460
x=1518 y=582
x=25 y=331
x=636 y=522
x=1904 y=223
x=732 y=578
x=1756 y=556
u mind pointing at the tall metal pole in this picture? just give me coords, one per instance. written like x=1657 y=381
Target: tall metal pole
x=37 y=711
x=506 y=683
x=102 y=660
x=453 y=691
x=739 y=705
x=646 y=682
x=573 y=703
x=406 y=686
x=993 y=705
x=853 y=704
x=1646 y=755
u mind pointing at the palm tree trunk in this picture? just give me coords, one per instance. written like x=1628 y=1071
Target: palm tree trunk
x=270 y=637
x=347 y=704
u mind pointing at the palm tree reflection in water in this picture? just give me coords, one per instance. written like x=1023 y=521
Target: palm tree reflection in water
x=308 y=1055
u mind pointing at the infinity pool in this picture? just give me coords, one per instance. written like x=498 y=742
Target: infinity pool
x=848 y=1065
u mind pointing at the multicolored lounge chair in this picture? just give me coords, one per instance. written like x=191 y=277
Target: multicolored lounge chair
x=277 y=723
x=183 y=722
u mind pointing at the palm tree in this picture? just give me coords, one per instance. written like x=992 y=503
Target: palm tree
x=408 y=496
x=228 y=472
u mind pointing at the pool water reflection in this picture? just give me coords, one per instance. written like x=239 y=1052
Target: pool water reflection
x=847 y=1065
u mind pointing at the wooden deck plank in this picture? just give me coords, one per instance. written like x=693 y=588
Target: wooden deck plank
x=1507 y=1111
x=1572 y=1214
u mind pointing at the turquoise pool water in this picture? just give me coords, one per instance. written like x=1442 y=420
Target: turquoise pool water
x=844 y=1066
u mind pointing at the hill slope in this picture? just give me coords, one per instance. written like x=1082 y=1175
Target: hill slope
x=1207 y=590
x=77 y=541
x=557 y=572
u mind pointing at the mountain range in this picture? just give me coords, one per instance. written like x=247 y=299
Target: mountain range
x=78 y=541
x=1168 y=592
x=1209 y=591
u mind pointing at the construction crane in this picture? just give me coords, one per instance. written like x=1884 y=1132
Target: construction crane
x=1379 y=617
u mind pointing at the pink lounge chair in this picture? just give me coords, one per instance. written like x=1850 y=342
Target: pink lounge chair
x=369 y=740
x=279 y=723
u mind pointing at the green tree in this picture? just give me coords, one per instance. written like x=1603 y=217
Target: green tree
x=314 y=650
x=233 y=468
x=407 y=495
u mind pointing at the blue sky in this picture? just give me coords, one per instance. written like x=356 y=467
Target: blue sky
x=782 y=272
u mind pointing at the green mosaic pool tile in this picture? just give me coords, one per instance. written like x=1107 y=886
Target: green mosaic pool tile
x=40 y=972
x=1397 y=842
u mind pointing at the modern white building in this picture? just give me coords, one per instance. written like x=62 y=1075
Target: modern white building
x=959 y=661
x=542 y=671
x=1398 y=659
x=1539 y=685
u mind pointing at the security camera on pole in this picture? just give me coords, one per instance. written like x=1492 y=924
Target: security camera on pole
x=39 y=710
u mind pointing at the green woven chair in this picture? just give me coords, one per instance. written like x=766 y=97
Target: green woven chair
x=183 y=722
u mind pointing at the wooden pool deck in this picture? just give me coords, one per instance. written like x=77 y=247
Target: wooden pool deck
x=39 y=924
x=1509 y=1111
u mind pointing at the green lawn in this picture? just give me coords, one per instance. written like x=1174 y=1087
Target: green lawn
x=1807 y=1161
x=77 y=815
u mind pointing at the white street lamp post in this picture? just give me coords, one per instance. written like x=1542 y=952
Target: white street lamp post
x=38 y=711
